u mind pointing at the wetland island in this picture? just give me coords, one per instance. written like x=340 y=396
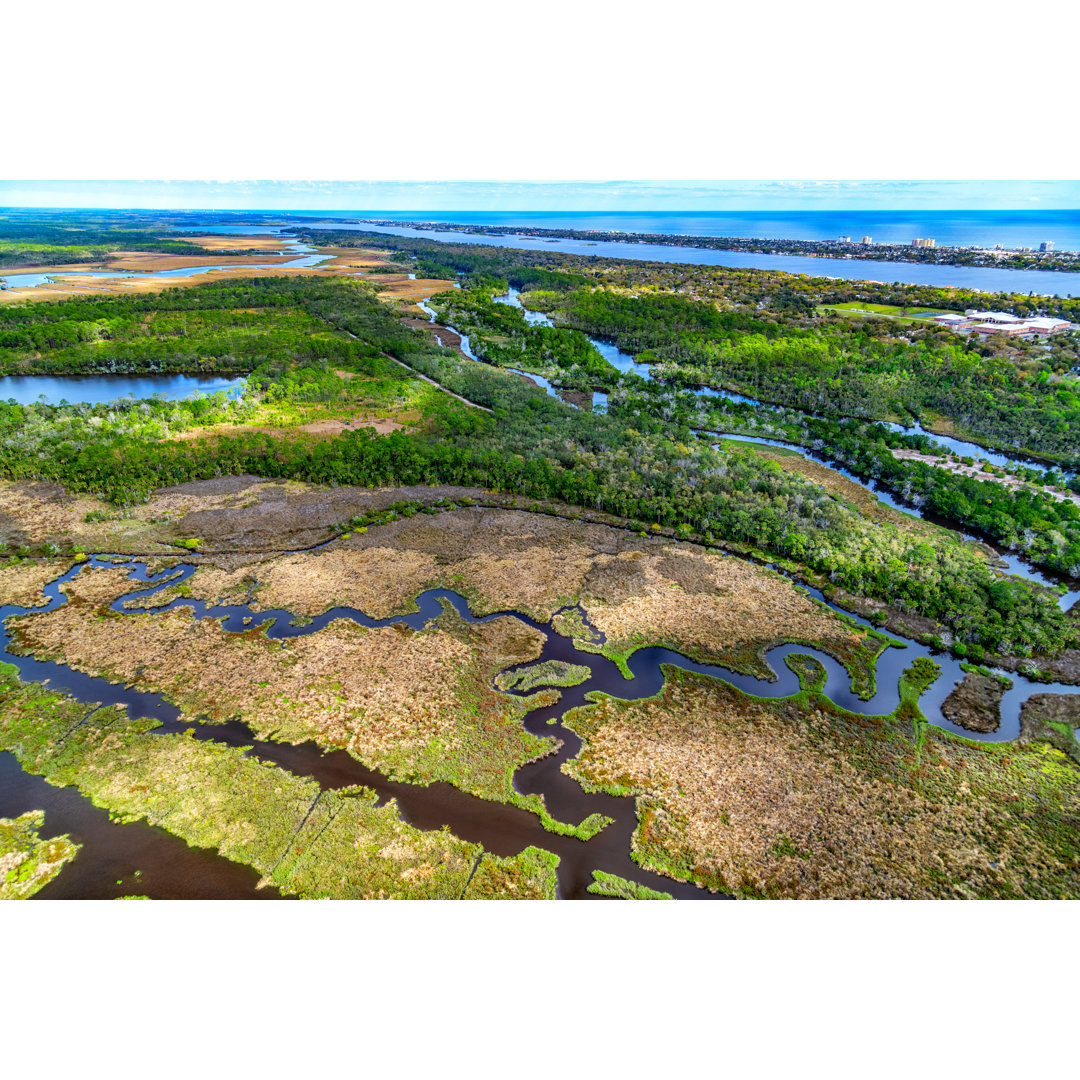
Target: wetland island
x=338 y=563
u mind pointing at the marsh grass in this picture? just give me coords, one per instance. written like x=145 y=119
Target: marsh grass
x=308 y=842
x=548 y=673
x=621 y=889
x=28 y=863
x=797 y=798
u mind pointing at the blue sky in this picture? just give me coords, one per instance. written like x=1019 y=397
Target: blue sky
x=616 y=195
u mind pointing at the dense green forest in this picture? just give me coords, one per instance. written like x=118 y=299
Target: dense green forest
x=1032 y=520
x=762 y=333
x=27 y=245
x=637 y=466
x=836 y=369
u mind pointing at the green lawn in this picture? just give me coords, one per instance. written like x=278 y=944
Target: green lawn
x=891 y=311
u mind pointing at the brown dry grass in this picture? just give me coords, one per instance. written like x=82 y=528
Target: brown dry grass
x=405 y=289
x=795 y=799
x=234 y=242
x=417 y=705
x=21 y=583
x=713 y=605
x=33 y=512
x=634 y=590
x=380 y=581
x=835 y=484
x=148 y=262
x=353 y=258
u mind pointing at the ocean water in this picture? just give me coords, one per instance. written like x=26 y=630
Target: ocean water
x=985 y=228
x=982 y=278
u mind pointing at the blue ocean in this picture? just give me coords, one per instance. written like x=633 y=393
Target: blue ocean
x=984 y=228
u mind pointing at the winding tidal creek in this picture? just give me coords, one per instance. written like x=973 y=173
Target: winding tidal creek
x=1010 y=562
x=118 y=859
x=168 y=868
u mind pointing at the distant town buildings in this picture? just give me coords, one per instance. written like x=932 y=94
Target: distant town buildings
x=920 y=242
x=1047 y=245
x=1001 y=322
x=843 y=239
x=867 y=241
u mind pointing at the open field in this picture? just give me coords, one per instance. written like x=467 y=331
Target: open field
x=891 y=311
x=327 y=427
x=797 y=799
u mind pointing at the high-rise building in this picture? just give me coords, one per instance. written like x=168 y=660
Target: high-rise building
x=920 y=242
x=843 y=239
x=1047 y=245
x=867 y=241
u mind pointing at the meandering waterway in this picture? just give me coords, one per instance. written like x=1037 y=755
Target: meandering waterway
x=501 y=829
x=1011 y=562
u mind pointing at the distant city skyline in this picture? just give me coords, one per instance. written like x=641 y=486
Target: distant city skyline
x=436 y=196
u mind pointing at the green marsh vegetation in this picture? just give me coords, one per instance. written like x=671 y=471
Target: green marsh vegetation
x=28 y=863
x=619 y=888
x=548 y=673
x=309 y=842
x=638 y=463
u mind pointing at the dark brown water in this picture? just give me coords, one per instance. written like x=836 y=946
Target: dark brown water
x=169 y=868
x=121 y=860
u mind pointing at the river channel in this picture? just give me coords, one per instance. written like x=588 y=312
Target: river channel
x=624 y=362
x=167 y=867
x=501 y=829
x=984 y=279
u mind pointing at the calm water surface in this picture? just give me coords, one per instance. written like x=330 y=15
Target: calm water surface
x=1010 y=228
x=99 y=389
x=987 y=279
